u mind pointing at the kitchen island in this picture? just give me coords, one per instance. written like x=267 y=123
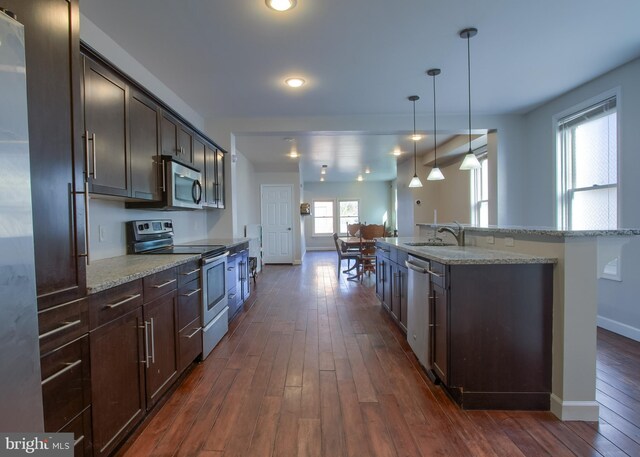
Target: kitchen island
x=487 y=320
x=583 y=257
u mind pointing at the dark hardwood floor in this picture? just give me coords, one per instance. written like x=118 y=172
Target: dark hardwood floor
x=315 y=367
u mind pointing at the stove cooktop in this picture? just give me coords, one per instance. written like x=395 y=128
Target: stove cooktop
x=204 y=250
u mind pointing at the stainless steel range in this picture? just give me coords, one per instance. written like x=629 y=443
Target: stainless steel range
x=156 y=237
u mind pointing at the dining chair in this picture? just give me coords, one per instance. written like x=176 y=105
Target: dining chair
x=353 y=229
x=345 y=255
x=367 y=259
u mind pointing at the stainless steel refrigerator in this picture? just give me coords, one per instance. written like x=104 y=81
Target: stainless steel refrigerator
x=20 y=389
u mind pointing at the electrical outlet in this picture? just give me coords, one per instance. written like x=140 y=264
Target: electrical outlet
x=102 y=233
x=491 y=239
x=508 y=241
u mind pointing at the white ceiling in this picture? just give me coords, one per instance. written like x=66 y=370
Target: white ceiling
x=228 y=58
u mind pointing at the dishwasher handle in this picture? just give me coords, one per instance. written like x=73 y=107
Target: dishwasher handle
x=412 y=266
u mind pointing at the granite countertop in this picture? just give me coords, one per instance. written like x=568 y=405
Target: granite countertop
x=540 y=231
x=462 y=255
x=106 y=273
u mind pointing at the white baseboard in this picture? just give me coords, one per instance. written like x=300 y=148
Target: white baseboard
x=320 y=248
x=297 y=262
x=587 y=411
x=619 y=328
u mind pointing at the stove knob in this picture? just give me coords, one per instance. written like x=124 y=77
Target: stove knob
x=146 y=226
x=140 y=227
x=167 y=225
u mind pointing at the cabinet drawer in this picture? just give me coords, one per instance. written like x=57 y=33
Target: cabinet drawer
x=393 y=254
x=159 y=284
x=113 y=303
x=81 y=429
x=233 y=301
x=190 y=344
x=383 y=249
x=439 y=275
x=65 y=383
x=62 y=323
x=189 y=303
x=188 y=272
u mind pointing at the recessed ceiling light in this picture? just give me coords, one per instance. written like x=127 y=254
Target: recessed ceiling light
x=323 y=172
x=294 y=154
x=294 y=82
x=367 y=171
x=397 y=151
x=322 y=179
x=416 y=137
x=281 y=5
x=360 y=178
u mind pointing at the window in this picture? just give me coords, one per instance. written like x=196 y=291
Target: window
x=323 y=217
x=349 y=214
x=480 y=194
x=588 y=168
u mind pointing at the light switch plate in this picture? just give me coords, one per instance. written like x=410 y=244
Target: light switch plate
x=508 y=241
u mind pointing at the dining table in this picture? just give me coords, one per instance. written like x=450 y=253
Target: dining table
x=352 y=243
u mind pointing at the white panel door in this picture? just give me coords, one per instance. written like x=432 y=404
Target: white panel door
x=277 y=228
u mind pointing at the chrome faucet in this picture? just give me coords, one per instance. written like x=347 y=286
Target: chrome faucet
x=458 y=233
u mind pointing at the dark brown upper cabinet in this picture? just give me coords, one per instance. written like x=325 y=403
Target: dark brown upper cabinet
x=220 y=193
x=106 y=99
x=199 y=159
x=177 y=139
x=55 y=132
x=144 y=143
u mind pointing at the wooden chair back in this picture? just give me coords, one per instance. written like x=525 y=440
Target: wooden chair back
x=353 y=229
x=371 y=231
x=339 y=249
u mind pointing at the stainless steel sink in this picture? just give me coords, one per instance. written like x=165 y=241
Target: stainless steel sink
x=429 y=243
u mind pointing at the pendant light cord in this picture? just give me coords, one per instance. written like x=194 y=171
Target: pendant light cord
x=435 y=141
x=469 y=83
x=415 y=162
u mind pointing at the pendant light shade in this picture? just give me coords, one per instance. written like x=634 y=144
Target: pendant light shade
x=470 y=161
x=415 y=181
x=435 y=174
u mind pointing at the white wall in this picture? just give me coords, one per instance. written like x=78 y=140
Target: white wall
x=247 y=191
x=374 y=198
x=617 y=300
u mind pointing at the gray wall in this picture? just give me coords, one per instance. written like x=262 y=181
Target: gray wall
x=374 y=203
x=618 y=307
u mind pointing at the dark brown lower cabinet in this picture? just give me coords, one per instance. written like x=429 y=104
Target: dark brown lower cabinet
x=81 y=429
x=439 y=332
x=160 y=322
x=403 y=291
x=117 y=379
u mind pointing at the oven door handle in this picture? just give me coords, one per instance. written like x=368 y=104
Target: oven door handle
x=213 y=259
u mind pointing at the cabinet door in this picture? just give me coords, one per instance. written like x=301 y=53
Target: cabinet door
x=387 y=288
x=160 y=320
x=55 y=145
x=199 y=161
x=220 y=192
x=244 y=274
x=185 y=144
x=210 y=177
x=403 y=292
x=395 y=291
x=379 y=277
x=117 y=380
x=440 y=332
x=144 y=144
x=169 y=135
x=105 y=116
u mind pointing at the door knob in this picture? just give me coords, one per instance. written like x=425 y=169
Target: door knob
x=289 y=229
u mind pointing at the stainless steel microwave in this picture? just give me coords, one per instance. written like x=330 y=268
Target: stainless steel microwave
x=182 y=185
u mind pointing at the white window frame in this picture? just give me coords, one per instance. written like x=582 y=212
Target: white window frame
x=476 y=189
x=333 y=216
x=337 y=210
x=563 y=193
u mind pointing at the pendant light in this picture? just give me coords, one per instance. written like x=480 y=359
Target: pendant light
x=470 y=161
x=415 y=181
x=435 y=174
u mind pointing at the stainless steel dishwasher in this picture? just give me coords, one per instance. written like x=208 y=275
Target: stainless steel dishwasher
x=419 y=286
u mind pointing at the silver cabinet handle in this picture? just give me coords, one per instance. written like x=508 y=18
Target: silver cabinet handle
x=146 y=344
x=87 y=226
x=195 y=332
x=232 y=295
x=95 y=160
x=231 y=268
x=153 y=342
x=191 y=272
x=433 y=273
x=62 y=328
x=86 y=155
x=122 y=302
x=69 y=366
x=164 y=177
x=160 y=286
x=191 y=293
